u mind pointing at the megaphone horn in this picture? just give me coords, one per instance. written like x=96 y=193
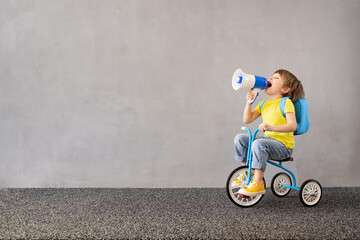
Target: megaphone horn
x=241 y=79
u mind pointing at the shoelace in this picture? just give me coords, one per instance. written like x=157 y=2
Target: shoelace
x=252 y=185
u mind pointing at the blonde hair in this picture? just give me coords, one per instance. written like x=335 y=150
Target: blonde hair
x=296 y=89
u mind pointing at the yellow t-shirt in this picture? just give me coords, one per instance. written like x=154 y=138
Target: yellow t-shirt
x=271 y=114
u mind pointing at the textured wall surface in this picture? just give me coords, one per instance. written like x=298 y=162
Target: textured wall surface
x=138 y=93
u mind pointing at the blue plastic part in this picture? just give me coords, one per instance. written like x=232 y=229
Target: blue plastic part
x=240 y=80
x=295 y=188
x=282 y=106
x=262 y=104
x=249 y=148
x=249 y=155
x=260 y=82
x=249 y=152
x=302 y=116
x=256 y=131
x=257 y=94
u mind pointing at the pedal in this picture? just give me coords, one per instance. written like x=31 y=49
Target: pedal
x=243 y=196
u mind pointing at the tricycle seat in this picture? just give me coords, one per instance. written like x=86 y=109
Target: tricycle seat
x=290 y=159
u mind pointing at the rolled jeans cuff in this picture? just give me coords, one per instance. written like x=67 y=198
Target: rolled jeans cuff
x=240 y=159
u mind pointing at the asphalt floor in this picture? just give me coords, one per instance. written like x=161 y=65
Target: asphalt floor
x=201 y=213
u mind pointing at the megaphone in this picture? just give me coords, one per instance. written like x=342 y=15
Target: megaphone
x=241 y=79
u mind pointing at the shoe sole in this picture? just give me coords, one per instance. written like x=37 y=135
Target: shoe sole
x=251 y=194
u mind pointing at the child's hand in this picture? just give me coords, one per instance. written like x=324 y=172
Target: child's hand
x=250 y=95
x=264 y=127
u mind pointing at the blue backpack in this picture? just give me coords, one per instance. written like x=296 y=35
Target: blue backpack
x=301 y=112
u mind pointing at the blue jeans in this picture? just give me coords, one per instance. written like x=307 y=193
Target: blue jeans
x=263 y=148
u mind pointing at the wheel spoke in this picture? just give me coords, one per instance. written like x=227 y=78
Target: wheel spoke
x=233 y=189
x=311 y=193
x=278 y=182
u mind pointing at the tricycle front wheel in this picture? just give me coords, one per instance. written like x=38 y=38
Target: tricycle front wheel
x=237 y=180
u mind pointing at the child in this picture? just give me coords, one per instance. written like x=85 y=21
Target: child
x=278 y=140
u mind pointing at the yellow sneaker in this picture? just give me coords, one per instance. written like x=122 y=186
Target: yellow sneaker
x=253 y=189
x=238 y=181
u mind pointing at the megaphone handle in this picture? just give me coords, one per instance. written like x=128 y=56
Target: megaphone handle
x=255 y=91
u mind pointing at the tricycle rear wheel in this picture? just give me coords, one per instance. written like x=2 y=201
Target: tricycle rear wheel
x=310 y=193
x=277 y=184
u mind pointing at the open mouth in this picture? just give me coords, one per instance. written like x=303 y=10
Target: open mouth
x=269 y=84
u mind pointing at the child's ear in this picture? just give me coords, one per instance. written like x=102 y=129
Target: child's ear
x=285 y=90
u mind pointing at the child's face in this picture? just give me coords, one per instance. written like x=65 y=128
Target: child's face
x=276 y=85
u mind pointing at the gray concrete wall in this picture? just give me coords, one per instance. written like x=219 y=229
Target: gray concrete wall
x=138 y=93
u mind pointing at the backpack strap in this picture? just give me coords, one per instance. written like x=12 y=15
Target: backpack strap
x=282 y=106
x=262 y=104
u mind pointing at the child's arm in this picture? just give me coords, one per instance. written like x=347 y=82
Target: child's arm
x=250 y=116
x=290 y=126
